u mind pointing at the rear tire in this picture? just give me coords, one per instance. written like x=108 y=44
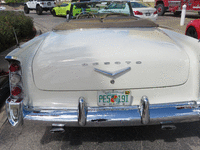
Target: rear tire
x=53 y=13
x=39 y=10
x=191 y=31
x=160 y=9
x=26 y=9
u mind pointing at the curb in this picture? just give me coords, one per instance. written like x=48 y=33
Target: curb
x=4 y=83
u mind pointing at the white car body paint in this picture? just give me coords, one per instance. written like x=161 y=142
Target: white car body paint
x=32 y=54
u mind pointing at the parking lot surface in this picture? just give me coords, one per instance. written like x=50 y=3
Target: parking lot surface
x=185 y=137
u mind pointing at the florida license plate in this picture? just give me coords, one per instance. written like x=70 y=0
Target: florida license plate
x=114 y=98
x=147 y=14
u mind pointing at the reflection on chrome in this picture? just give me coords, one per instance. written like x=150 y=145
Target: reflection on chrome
x=143 y=114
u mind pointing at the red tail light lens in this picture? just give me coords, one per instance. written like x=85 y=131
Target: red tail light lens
x=138 y=13
x=155 y=12
x=14 y=67
x=16 y=91
x=42 y=3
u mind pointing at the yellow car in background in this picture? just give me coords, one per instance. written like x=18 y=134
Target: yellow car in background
x=64 y=9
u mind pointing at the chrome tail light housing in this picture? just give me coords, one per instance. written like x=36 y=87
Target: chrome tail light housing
x=14 y=102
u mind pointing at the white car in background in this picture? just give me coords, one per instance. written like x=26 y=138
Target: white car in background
x=142 y=10
x=2 y=8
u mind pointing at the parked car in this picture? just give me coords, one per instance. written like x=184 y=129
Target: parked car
x=2 y=8
x=63 y=9
x=123 y=8
x=78 y=9
x=39 y=6
x=175 y=6
x=142 y=10
x=192 y=29
x=112 y=70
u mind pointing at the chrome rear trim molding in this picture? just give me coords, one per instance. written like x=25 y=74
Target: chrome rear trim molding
x=144 y=114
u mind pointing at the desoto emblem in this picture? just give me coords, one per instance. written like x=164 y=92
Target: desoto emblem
x=112 y=74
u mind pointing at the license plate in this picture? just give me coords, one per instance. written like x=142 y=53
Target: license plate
x=147 y=14
x=114 y=98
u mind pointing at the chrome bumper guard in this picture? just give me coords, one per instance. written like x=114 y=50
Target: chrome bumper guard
x=144 y=114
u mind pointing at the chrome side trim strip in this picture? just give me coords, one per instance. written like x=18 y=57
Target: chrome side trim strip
x=144 y=110
x=11 y=57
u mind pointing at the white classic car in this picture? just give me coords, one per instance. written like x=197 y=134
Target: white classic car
x=115 y=70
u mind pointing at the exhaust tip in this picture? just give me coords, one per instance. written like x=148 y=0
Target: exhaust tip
x=57 y=130
x=168 y=127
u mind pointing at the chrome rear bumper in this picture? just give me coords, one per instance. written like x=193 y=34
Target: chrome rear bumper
x=144 y=114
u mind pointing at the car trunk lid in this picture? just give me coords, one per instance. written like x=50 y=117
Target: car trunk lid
x=79 y=60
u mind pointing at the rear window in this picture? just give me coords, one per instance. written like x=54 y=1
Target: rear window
x=116 y=6
x=138 y=4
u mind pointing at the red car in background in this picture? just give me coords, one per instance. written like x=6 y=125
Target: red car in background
x=193 y=29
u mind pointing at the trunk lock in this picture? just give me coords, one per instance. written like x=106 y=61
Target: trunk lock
x=112 y=81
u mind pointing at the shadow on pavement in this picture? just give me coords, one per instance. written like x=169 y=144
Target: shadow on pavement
x=4 y=90
x=74 y=136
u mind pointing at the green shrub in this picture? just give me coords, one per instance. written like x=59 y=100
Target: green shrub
x=14 y=1
x=22 y=25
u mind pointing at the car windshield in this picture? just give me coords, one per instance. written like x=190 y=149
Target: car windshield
x=46 y=0
x=107 y=14
x=63 y=5
x=138 y=5
x=100 y=7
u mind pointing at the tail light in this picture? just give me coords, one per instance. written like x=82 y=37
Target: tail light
x=42 y=3
x=138 y=13
x=155 y=12
x=55 y=3
x=16 y=90
x=14 y=107
x=14 y=67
